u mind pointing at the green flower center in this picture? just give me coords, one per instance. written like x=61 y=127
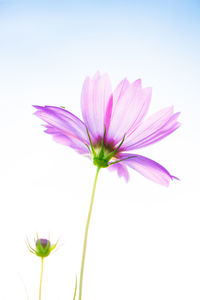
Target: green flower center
x=102 y=153
x=101 y=157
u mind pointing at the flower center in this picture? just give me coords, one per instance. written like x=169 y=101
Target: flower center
x=103 y=153
x=101 y=156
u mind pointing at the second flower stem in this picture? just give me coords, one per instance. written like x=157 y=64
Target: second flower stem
x=86 y=235
x=40 y=290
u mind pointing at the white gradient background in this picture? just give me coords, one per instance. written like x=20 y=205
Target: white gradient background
x=144 y=239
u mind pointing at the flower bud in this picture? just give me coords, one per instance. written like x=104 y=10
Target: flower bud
x=43 y=247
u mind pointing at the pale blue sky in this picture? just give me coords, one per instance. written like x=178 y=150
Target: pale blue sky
x=29 y=27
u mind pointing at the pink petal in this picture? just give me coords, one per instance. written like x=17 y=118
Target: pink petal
x=121 y=170
x=67 y=140
x=148 y=168
x=95 y=96
x=120 y=90
x=108 y=113
x=129 y=108
x=66 y=128
x=153 y=129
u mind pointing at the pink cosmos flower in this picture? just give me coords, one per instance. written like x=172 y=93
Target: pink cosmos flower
x=114 y=124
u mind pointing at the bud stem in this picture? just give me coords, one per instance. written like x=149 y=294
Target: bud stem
x=40 y=290
x=86 y=234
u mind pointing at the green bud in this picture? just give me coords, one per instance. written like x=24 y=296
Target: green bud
x=43 y=247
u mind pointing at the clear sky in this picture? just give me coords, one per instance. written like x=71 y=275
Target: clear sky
x=144 y=240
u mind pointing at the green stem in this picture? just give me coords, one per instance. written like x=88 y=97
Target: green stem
x=75 y=289
x=40 y=290
x=86 y=234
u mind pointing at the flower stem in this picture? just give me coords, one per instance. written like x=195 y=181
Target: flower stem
x=86 y=234
x=42 y=259
x=75 y=289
